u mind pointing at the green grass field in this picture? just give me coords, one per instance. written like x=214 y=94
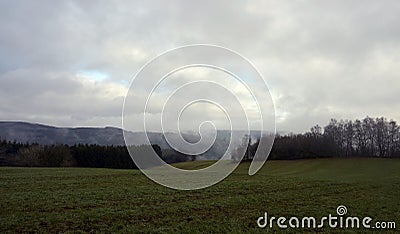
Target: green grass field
x=108 y=200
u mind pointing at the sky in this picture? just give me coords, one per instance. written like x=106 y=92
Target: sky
x=70 y=63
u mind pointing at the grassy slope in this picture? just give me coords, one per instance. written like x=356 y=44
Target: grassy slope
x=59 y=200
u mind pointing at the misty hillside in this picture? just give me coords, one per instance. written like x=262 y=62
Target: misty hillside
x=47 y=135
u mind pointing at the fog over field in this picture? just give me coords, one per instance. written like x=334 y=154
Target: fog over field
x=69 y=63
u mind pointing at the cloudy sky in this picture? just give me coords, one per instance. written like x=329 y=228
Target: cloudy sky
x=69 y=63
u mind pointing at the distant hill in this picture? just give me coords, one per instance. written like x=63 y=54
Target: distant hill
x=47 y=135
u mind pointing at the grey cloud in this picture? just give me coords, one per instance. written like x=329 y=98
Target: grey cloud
x=321 y=59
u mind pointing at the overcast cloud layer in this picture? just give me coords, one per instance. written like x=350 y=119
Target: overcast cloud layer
x=69 y=63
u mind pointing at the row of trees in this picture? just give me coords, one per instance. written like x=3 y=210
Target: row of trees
x=34 y=155
x=31 y=155
x=369 y=137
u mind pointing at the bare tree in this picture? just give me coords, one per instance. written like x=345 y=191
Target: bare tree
x=348 y=137
x=369 y=127
x=359 y=138
x=393 y=137
x=29 y=156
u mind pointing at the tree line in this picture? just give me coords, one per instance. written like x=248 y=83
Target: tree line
x=81 y=155
x=368 y=137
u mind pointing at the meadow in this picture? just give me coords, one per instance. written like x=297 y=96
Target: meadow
x=117 y=200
